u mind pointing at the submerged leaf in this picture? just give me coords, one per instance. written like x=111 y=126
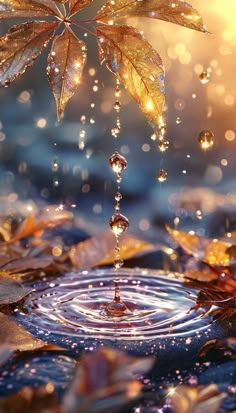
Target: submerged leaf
x=12 y=9
x=77 y=5
x=178 y=12
x=21 y=46
x=16 y=336
x=199 y=399
x=100 y=250
x=65 y=65
x=11 y=291
x=137 y=65
x=213 y=252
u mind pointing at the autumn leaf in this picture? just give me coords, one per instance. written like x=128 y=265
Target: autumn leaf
x=213 y=252
x=182 y=13
x=225 y=344
x=77 y=5
x=27 y=263
x=5 y=353
x=198 y=399
x=12 y=9
x=10 y=290
x=137 y=65
x=100 y=250
x=65 y=65
x=21 y=46
x=218 y=304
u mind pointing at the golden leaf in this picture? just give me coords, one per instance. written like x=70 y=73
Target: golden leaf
x=10 y=290
x=137 y=65
x=21 y=46
x=198 y=399
x=178 y=12
x=99 y=250
x=77 y=5
x=213 y=252
x=65 y=65
x=12 y=9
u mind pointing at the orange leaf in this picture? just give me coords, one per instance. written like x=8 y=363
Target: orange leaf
x=27 y=8
x=137 y=65
x=21 y=46
x=77 y=5
x=213 y=252
x=65 y=65
x=182 y=13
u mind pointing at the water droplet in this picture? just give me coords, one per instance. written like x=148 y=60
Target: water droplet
x=206 y=139
x=163 y=145
x=162 y=175
x=118 y=263
x=178 y=120
x=117 y=162
x=204 y=77
x=116 y=309
x=161 y=130
x=117 y=106
x=118 y=196
x=119 y=224
x=115 y=132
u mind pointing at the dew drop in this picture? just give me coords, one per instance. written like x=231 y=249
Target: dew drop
x=162 y=175
x=117 y=162
x=204 y=77
x=206 y=139
x=119 y=224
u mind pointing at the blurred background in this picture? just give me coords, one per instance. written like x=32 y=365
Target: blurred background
x=43 y=162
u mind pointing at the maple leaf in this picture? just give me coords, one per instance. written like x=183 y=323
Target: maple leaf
x=126 y=53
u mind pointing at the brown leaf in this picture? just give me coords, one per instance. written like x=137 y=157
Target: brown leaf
x=10 y=290
x=5 y=353
x=213 y=252
x=77 y=5
x=49 y=217
x=16 y=336
x=27 y=263
x=182 y=13
x=105 y=381
x=31 y=400
x=65 y=66
x=137 y=65
x=224 y=301
x=228 y=343
x=199 y=399
x=12 y=9
x=100 y=250
x=21 y=46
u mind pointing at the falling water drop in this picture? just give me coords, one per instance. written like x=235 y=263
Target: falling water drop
x=206 y=140
x=204 y=77
x=117 y=162
x=119 y=224
x=163 y=145
x=162 y=175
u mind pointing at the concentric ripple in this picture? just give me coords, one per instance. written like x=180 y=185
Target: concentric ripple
x=159 y=305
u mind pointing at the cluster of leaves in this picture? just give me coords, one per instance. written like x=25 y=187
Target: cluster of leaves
x=213 y=268
x=124 y=50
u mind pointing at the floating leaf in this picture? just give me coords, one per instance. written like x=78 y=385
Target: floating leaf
x=12 y=9
x=137 y=65
x=65 y=66
x=77 y=5
x=199 y=399
x=100 y=250
x=26 y=264
x=11 y=291
x=105 y=381
x=178 y=12
x=228 y=343
x=16 y=336
x=213 y=252
x=21 y=46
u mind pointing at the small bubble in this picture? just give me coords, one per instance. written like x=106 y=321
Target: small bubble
x=163 y=145
x=206 y=139
x=178 y=120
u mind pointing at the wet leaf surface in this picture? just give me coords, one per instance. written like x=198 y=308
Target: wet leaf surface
x=21 y=46
x=11 y=291
x=65 y=66
x=182 y=13
x=137 y=65
x=26 y=8
x=77 y=5
x=199 y=399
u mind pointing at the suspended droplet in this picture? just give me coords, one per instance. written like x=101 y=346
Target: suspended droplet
x=117 y=105
x=117 y=162
x=116 y=309
x=163 y=145
x=118 y=263
x=162 y=175
x=118 y=196
x=161 y=130
x=119 y=224
x=206 y=140
x=178 y=120
x=204 y=77
x=115 y=132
